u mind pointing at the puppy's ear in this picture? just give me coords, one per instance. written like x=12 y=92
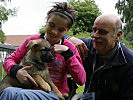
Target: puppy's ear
x=31 y=44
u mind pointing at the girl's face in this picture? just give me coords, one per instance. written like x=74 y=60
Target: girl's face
x=56 y=27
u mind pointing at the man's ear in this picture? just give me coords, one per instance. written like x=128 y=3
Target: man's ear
x=31 y=44
x=118 y=35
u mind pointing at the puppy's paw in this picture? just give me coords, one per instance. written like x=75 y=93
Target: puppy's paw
x=65 y=95
x=46 y=87
x=60 y=95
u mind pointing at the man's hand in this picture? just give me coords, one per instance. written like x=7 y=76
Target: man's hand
x=81 y=46
x=23 y=76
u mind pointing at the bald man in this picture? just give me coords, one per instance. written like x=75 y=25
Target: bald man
x=108 y=63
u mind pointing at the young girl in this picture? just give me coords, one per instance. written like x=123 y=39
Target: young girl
x=59 y=20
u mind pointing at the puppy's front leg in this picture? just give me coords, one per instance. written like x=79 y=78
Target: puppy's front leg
x=44 y=85
x=55 y=89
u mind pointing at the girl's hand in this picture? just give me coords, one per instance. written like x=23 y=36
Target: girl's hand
x=60 y=48
x=25 y=78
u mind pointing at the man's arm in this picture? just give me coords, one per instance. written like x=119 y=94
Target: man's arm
x=81 y=46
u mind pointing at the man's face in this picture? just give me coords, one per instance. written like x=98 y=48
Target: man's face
x=103 y=36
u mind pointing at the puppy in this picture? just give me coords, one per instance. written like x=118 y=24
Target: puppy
x=38 y=56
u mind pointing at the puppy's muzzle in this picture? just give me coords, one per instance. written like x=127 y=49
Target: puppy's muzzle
x=46 y=55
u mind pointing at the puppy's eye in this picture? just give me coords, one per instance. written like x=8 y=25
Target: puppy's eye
x=44 y=49
x=36 y=45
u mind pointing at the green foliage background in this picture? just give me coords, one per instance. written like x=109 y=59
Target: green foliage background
x=87 y=11
x=125 y=9
x=5 y=12
x=2 y=36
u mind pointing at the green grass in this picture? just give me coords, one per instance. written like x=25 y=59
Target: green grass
x=80 y=89
x=2 y=71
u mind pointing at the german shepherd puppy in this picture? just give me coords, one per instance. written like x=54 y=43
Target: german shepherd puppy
x=38 y=56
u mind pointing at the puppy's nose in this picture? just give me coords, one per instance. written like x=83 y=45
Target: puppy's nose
x=50 y=58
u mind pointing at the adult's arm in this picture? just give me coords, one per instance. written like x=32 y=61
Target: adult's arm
x=81 y=46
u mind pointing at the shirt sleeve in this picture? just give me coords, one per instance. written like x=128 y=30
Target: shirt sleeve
x=16 y=57
x=75 y=66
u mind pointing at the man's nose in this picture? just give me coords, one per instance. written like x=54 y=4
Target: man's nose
x=95 y=35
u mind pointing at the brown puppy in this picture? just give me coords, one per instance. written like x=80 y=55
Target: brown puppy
x=38 y=56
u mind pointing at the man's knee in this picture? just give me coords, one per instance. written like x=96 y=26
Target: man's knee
x=8 y=90
x=8 y=93
x=22 y=95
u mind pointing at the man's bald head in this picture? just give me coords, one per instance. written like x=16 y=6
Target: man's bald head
x=111 y=19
